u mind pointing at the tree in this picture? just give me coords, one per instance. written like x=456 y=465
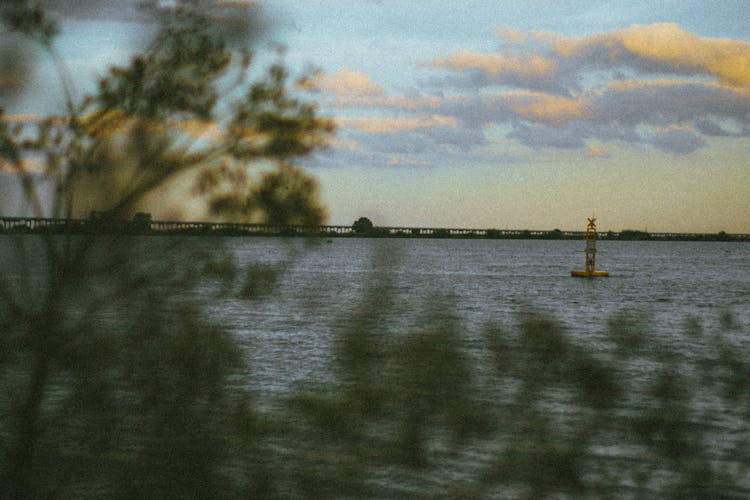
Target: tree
x=114 y=380
x=363 y=225
x=170 y=114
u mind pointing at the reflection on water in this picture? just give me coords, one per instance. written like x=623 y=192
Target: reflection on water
x=165 y=367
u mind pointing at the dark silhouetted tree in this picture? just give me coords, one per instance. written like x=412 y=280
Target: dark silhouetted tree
x=363 y=225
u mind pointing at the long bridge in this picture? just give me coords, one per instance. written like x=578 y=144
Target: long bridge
x=142 y=224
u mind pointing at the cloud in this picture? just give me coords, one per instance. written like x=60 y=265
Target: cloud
x=509 y=68
x=708 y=126
x=537 y=136
x=344 y=144
x=597 y=151
x=344 y=83
x=594 y=88
x=408 y=102
x=437 y=143
x=546 y=61
x=665 y=103
x=520 y=66
x=396 y=124
x=655 y=86
x=677 y=141
x=424 y=141
x=550 y=108
x=406 y=160
x=664 y=46
x=511 y=34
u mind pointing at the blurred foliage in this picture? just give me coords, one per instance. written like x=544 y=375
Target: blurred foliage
x=185 y=108
x=420 y=414
x=113 y=382
x=118 y=381
x=30 y=19
x=286 y=196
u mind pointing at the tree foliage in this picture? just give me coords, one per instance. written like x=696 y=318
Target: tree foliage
x=363 y=225
x=185 y=107
x=113 y=381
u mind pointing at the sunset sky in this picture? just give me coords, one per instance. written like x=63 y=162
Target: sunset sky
x=506 y=114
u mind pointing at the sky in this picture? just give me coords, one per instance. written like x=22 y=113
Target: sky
x=505 y=114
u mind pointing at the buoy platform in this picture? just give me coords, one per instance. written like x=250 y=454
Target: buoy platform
x=590 y=270
x=578 y=273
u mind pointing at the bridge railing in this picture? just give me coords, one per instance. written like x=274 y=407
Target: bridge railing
x=16 y=225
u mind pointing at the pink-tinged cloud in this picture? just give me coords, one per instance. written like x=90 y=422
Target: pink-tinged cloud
x=409 y=102
x=344 y=83
x=523 y=66
x=512 y=35
x=616 y=112
x=597 y=151
x=647 y=48
x=405 y=160
x=557 y=64
x=657 y=86
x=396 y=124
x=548 y=108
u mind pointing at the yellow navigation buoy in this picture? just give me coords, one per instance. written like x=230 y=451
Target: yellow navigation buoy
x=590 y=271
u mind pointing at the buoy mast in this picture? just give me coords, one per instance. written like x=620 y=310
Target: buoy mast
x=590 y=270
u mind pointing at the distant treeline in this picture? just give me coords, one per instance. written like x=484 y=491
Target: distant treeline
x=142 y=224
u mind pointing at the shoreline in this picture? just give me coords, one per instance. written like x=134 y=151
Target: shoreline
x=146 y=226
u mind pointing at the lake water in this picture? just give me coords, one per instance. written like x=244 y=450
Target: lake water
x=310 y=291
x=481 y=282
x=322 y=284
x=403 y=284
